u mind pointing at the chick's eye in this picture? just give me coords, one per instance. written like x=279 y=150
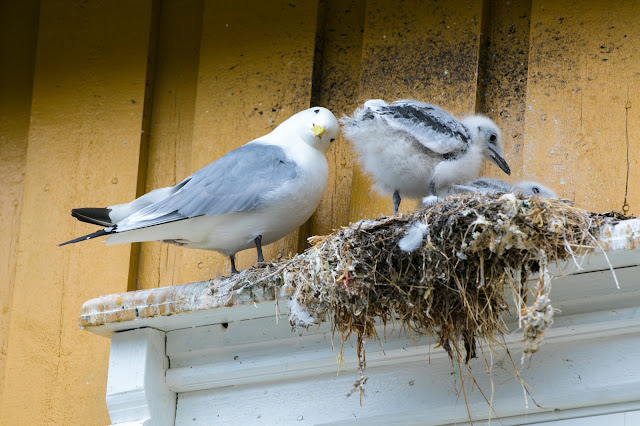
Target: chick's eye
x=535 y=190
x=316 y=111
x=493 y=138
x=332 y=139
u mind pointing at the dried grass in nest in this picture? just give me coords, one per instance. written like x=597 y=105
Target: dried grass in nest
x=476 y=250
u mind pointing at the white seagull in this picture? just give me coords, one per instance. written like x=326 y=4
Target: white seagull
x=253 y=195
x=417 y=149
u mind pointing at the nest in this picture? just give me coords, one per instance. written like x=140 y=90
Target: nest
x=448 y=270
x=467 y=255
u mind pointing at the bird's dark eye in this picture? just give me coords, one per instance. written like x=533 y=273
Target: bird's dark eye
x=332 y=139
x=316 y=111
x=535 y=190
x=493 y=138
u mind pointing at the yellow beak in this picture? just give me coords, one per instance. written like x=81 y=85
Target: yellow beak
x=317 y=130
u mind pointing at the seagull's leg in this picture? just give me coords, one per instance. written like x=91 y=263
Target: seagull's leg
x=432 y=198
x=258 y=241
x=232 y=258
x=432 y=188
x=396 y=201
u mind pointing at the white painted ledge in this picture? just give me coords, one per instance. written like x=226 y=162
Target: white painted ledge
x=230 y=361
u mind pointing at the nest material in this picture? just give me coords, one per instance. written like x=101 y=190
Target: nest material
x=475 y=251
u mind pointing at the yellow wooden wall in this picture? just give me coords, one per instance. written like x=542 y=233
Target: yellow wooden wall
x=18 y=26
x=101 y=101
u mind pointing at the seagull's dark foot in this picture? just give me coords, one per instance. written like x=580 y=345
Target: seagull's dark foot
x=232 y=258
x=258 y=241
x=432 y=189
x=396 y=201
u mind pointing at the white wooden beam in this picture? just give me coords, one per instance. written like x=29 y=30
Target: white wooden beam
x=311 y=355
x=137 y=393
x=587 y=366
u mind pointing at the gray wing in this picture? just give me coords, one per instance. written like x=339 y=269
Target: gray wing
x=482 y=186
x=491 y=186
x=430 y=125
x=234 y=183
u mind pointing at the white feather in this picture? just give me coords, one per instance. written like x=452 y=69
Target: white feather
x=414 y=237
x=298 y=315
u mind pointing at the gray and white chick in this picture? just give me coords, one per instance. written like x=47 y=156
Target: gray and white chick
x=415 y=149
x=494 y=186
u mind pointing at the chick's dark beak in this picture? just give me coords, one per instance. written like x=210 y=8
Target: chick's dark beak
x=500 y=162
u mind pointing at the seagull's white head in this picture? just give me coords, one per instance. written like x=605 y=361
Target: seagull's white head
x=485 y=132
x=530 y=188
x=316 y=126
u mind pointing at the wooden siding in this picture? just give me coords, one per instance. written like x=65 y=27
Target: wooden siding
x=18 y=29
x=84 y=146
x=102 y=101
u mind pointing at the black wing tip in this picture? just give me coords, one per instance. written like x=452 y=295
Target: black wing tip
x=96 y=234
x=93 y=215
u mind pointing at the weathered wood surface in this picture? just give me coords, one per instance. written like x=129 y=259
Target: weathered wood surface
x=18 y=25
x=83 y=149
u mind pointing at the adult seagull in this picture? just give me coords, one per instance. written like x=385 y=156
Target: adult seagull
x=253 y=195
x=417 y=149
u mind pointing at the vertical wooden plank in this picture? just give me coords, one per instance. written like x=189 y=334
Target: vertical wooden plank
x=18 y=29
x=427 y=50
x=256 y=61
x=83 y=150
x=503 y=78
x=171 y=130
x=335 y=86
x=583 y=101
